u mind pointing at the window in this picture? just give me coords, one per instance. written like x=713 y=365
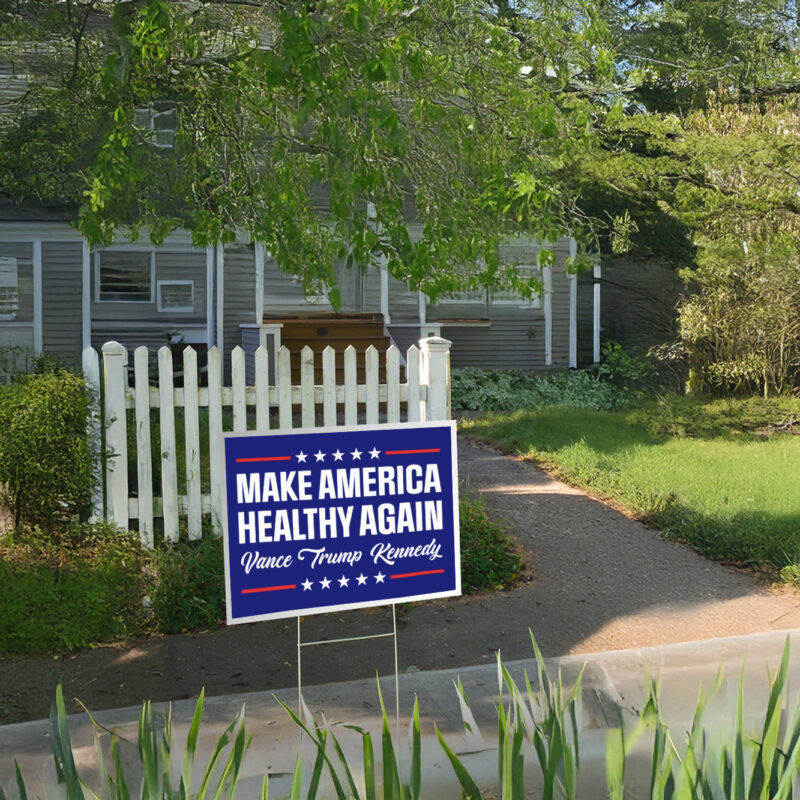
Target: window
x=176 y=295
x=161 y=120
x=9 y=289
x=124 y=276
x=526 y=272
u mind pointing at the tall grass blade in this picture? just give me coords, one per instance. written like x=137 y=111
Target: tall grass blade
x=265 y=787
x=297 y=781
x=23 y=793
x=219 y=748
x=392 y=785
x=61 y=744
x=764 y=782
x=191 y=747
x=415 y=779
x=315 y=737
x=468 y=785
x=121 y=791
x=369 y=766
x=316 y=773
x=351 y=782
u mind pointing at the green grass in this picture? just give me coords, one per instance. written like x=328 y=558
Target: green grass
x=714 y=474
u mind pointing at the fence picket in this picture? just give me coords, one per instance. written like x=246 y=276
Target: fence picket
x=239 y=390
x=307 y=387
x=262 y=388
x=91 y=372
x=350 y=387
x=393 y=384
x=191 y=419
x=144 y=457
x=284 y=388
x=215 y=433
x=371 y=359
x=169 y=454
x=412 y=379
x=329 y=387
x=115 y=383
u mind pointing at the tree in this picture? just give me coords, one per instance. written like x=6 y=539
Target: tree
x=468 y=115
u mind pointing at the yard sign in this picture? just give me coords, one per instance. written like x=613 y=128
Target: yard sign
x=320 y=520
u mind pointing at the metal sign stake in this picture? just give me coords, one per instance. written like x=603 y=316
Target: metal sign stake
x=301 y=644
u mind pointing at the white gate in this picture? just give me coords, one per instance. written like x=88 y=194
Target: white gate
x=423 y=393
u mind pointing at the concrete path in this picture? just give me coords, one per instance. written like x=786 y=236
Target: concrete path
x=612 y=684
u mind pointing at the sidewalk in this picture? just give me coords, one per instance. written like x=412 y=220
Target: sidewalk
x=613 y=682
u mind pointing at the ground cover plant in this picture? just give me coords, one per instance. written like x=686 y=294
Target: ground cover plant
x=538 y=721
x=719 y=475
x=71 y=589
x=615 y=383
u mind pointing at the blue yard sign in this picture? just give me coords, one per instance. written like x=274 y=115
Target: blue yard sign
x=336 y=518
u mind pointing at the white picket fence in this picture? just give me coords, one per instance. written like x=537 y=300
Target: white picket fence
x=423 y=394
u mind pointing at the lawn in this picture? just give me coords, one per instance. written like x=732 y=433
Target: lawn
x=722 y=476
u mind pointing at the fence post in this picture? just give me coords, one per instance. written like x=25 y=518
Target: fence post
x=436 y=376
x=91 y=374
x=115 y=381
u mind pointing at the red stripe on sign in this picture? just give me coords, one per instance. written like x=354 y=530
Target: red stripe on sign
x=415 y=574
x=406 y=452
x=269 y=589
x=264 y=458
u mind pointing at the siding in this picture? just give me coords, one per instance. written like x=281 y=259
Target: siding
x=240 y=303
x=505 y=344
x=638 y=302
x=61 y=301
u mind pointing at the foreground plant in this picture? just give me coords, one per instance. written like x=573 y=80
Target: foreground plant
x=220 y=775
x=705 y=764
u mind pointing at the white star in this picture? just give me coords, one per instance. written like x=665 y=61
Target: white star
x=307 y=585
x=301 y=457
x=344 y=581
x=325 y=583
x=337 y=456
x=319 y=455
x=356 y=454
x=374 y=453
x=379 y=577
x=362 y=579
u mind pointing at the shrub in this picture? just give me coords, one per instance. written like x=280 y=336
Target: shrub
x=71 y=589
x=488 y=557
x=45 y=457
x=189 y=588
x=505 y=390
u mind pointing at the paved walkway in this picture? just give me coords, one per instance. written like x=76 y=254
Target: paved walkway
x=601 y=582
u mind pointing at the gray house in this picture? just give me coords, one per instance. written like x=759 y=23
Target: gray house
x=58 y=296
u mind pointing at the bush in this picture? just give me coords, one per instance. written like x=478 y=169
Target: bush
x=72 y=589
x=488 y=557
x=45 y=456
x=189 y=590
x=479 y=389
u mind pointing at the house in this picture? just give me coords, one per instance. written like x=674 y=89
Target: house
x=58 y=296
